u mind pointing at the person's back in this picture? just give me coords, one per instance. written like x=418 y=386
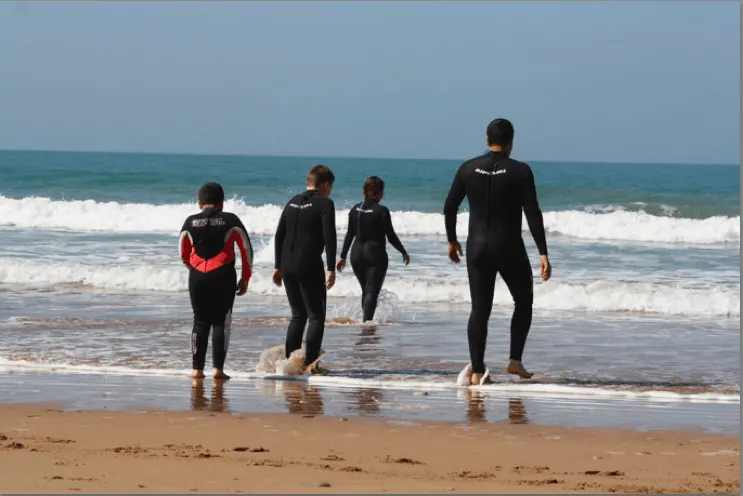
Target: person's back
x=308 y=224
x=498 y=189
x=213 y=234
x=370 y=219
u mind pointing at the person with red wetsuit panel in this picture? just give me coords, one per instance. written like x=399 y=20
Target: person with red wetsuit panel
x=207 y=248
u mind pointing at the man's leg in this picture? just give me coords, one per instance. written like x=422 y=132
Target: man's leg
x=314 y=294
x=295 y=332
x=375 y=275
x=516 y=273
x=227 y=285
x=481 y=274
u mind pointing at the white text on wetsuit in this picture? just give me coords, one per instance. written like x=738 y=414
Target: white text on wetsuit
x=214 y=221
x=489 y=173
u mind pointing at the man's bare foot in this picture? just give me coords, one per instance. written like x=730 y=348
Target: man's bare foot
x=197 y=374
x=220 y=375
x=481 y=379
x=515 y=367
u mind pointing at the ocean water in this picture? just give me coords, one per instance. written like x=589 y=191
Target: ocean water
x=644 y=301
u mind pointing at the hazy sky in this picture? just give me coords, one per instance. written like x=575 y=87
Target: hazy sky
x=590 y=81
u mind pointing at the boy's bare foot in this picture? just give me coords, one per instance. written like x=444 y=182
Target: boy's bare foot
x=197 y=374
x=220 y=376
x=515 y=367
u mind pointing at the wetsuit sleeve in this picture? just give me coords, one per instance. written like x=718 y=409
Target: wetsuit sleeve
x=533 y=213
x=185 y=244
x=279 y=240
x=240 y=236
x=456 y=195
x=328 y=232
x=350 y=234
x=391 y=234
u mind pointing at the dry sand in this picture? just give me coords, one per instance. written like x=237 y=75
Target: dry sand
x=51 y=451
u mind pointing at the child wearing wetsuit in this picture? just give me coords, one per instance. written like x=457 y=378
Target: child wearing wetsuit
x=207 y=247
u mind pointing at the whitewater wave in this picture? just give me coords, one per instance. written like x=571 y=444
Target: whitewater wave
x=599 y=296
x=89 y=215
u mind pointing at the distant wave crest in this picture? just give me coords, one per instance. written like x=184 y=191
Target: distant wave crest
x=89 y=215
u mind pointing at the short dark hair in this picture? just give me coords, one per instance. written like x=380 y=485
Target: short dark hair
x=500 y=132
x=211 y=194
x=319 y=175
x=373 y=186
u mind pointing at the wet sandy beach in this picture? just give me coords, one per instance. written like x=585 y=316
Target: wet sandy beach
x=44 y=449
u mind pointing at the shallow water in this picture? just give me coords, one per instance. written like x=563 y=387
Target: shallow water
x=404 y=407
x=141 y=334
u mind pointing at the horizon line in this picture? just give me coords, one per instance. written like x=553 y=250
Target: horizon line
x=201 y=154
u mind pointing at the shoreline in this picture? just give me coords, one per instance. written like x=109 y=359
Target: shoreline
x=99 y=451
x=91 y=392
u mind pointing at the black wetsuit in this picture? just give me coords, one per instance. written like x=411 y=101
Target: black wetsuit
x=207 y=247
x=497 y=189
x=306 y=227
x=370 y=223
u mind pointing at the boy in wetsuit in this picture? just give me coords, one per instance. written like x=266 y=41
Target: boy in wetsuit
x=306 y=227
x=370 y=223
x=207 y=248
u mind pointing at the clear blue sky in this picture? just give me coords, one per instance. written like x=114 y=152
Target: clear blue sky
x=586 y=81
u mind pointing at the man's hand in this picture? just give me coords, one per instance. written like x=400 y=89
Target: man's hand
x=276 y=277
x=406 y=259
x=341 y=264
x=331 y=279
x=242 y=287
x=546 y=267
x=455 y=250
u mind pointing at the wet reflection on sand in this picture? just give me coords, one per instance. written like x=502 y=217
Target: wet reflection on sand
x=131 y=393
x=476 y=409
x=217 y=401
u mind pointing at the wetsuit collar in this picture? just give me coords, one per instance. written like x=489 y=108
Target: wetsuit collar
x=498 y=153
x=210 y=211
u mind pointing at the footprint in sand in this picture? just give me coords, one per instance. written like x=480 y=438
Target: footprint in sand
x=332 y=458
x=404 y=461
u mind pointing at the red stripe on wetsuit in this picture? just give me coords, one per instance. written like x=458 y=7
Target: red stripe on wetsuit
x=224 y=257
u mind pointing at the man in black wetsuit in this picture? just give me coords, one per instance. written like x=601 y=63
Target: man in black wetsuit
x=497 y=189
x=207 y=248
x=370 y=223
x=306 y=227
